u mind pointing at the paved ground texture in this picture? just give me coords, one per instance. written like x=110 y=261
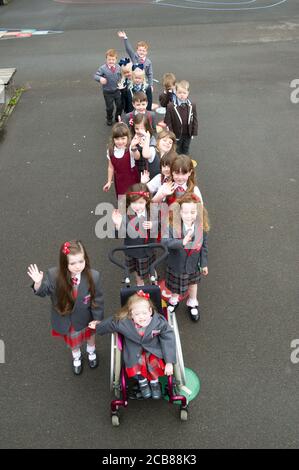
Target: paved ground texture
x=240 y=58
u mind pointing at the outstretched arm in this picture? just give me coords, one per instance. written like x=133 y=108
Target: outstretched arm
x=103 y=327
x=36 y=276
x=129 y=49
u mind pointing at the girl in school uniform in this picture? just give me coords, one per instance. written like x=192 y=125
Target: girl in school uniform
x=138 y=83
x=137 y=229
x=165 y=153
x=187 y=242
x=126 y=77
x=77 y=298
x=183 y=176
x=143 y=146
x=161 y=185
x=149 y=343
x=121 y=162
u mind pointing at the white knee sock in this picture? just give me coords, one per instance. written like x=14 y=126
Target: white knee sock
x=91 y=352
x=76 y=353
x=192 y=303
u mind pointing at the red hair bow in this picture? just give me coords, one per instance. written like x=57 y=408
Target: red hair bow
x=140 y=293
x=138 y=193
x=66 y=248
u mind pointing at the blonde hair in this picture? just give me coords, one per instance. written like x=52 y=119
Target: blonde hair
x=126 y=68
x=138 y=70
x=111 y=52
x=142 y=44
x=126 y=310
x=183 y=84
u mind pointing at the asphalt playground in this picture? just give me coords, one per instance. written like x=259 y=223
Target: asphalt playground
x=240 y=58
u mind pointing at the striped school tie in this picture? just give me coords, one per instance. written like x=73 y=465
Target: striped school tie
x=75 y=287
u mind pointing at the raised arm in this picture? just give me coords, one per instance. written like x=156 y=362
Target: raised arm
x=129 y=49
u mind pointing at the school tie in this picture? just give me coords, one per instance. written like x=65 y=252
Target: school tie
x=112 y=68
x=75 y=287
x=180 y=189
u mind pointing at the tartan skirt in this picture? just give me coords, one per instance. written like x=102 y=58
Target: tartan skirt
x=140 y=265
x=149 y=366
x=75 y=339
x=179 y=283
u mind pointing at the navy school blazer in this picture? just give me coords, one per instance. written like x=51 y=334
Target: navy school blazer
x=181 y=261
x=158 y=338
x=82 y=312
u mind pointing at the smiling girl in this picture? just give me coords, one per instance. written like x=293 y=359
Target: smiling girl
x=121 y=165
x=149 y=343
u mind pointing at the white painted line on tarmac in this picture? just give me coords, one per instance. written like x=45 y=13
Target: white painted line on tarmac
x=163 y=3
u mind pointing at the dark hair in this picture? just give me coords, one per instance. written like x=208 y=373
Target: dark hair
x=142 y=118
x=120 y=129
x=137 y=188
x=65 y=300
x=139 y=96
x=168 y=159
x=183 y=164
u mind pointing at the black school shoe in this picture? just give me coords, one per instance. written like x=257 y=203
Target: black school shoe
x=173 y=308
x=194 y=313
x=94 y=363
x=109 y=122
x=156 y=391
x=78 y=369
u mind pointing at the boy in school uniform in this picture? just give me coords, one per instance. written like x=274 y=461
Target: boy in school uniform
x=140 y=102
x=139 y=56
x=109 y=75
x=181 y=118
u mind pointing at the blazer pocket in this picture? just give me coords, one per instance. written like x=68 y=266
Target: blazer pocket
x=155 y=333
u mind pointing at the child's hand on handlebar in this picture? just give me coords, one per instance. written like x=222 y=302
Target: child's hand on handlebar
x=168 y=368
x=93 y=324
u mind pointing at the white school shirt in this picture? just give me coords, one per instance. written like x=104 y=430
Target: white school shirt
x=119 y=153
x=152 y=149
x=155 y=183
x=78 y=277
x=191 y=229
x=141 y=214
